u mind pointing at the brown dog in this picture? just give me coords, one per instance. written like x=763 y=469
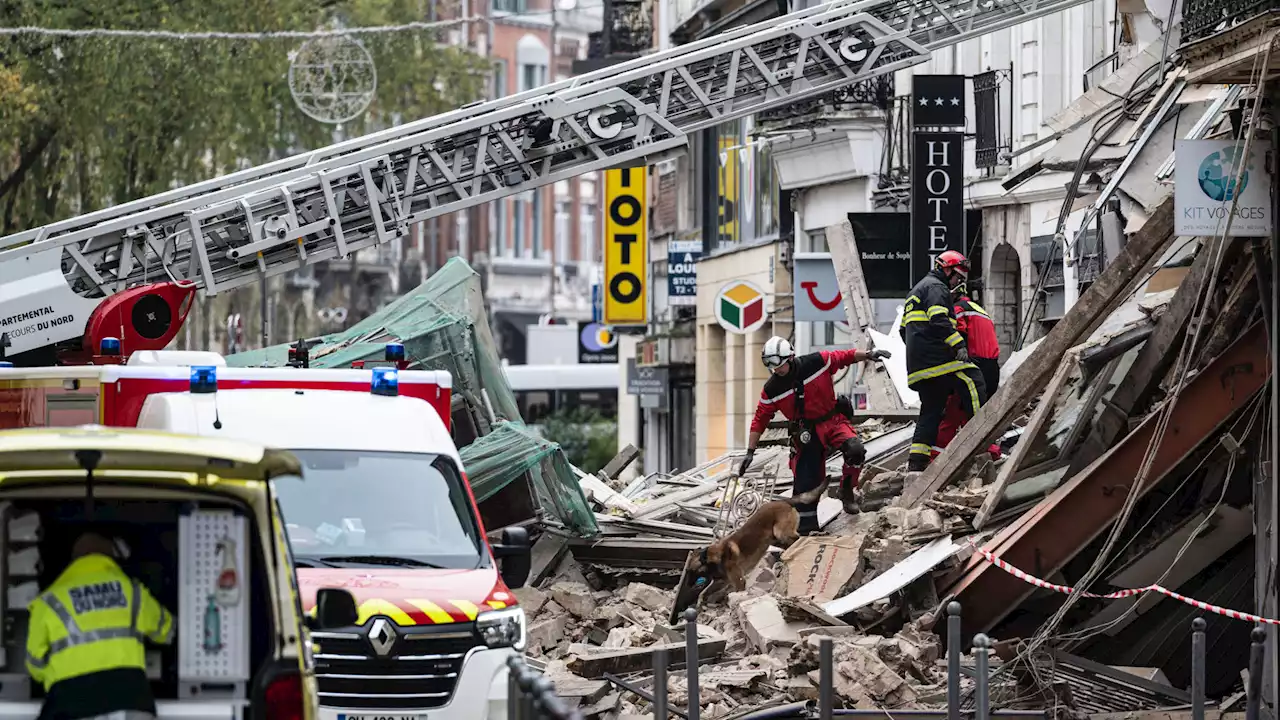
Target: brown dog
x=729 y=559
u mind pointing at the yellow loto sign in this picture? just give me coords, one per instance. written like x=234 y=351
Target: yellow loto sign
x=626 y=247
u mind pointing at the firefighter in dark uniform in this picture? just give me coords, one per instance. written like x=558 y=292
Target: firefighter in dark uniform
x=937 y=356
x=803 y=390
x=85 y=638
x=979 y=333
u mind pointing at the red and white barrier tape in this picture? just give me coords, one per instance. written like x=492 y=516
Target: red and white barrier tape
x=1033 y=580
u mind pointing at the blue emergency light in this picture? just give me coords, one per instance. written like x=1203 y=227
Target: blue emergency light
x=204 y=379
x=386 y=381
x=109 y=346
x=5 y=364
x=395 y=352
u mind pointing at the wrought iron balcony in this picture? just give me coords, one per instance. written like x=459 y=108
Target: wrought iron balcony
x=876 y=92
x=1204 y=18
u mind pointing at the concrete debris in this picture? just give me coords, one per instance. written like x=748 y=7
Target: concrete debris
x=876 y=582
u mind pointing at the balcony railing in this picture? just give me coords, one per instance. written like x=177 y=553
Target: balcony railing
x=1204 y=18
x=876 y=92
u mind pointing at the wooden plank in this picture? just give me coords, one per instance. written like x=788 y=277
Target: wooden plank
x=1093 y=306
x=882 y=394
x=586 y=692
x=614 y=467
x=547 y=553
x=641 y=659
x=1153 y=361
x=1037 y=422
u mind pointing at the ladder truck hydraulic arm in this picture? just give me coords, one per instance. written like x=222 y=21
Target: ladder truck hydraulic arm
x=130 y=271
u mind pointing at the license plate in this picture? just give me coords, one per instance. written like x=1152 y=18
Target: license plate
x=370 y=716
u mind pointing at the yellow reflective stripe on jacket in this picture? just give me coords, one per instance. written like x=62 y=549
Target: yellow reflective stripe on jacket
x=937 y=310
x=975 y=306
x=921 y=449
x=938 y=371
x=915 y=316
x=954 y=339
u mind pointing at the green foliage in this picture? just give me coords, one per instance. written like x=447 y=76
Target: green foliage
x=91 y=122
x=589 y=440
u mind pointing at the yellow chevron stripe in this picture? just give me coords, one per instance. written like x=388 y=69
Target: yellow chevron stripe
x=496 y=604
x=369 y=608
x=433 y=611
x=468 y=609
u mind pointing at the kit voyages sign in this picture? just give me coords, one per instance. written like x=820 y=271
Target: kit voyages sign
x=937 y=198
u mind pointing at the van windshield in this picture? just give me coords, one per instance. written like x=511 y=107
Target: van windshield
x=358 y=508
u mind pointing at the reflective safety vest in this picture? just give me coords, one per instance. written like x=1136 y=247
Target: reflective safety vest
x=978 y=330
x=93 y=618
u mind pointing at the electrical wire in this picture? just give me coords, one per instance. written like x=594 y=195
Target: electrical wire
x=1183 y=372
x=416 y=26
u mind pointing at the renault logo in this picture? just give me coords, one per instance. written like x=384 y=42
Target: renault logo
x=382 y=635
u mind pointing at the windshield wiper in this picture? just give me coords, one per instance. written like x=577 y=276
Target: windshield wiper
x=381 y=560
x=310 y=562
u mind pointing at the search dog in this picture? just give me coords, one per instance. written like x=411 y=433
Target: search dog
x=729 y=559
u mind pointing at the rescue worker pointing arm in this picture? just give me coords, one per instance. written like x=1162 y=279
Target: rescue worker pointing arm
x=937 y=355
x=85 y=638
x=802 y=388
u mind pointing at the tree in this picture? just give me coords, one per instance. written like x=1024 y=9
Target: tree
x=587 y=438
x=88 y=122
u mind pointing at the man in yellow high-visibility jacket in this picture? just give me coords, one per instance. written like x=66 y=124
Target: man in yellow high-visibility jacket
x=85 y=638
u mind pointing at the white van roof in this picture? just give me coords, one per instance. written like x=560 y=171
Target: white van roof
x=305 y=419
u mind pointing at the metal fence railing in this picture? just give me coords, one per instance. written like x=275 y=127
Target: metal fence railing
x=532 y=696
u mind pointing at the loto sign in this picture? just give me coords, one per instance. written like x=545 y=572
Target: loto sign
x=626 y=246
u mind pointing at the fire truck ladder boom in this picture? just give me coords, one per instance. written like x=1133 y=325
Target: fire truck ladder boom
x=275 y=218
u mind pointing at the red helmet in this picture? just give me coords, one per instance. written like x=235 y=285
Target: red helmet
x=952 y=261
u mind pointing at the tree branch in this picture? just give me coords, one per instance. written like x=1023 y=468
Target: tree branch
x=28 y=160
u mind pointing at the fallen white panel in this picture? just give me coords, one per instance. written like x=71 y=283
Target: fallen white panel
x=896 y=364
x=896 y=577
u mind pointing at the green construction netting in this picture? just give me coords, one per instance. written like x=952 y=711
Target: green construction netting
x=492 y=459
x=443 y=326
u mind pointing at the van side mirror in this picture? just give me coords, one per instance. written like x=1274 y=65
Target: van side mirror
x=517 y=559
x=335 y=608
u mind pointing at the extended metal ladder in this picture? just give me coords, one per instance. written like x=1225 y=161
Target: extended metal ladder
x=322 y=205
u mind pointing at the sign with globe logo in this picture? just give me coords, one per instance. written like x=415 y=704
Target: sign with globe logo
x=1214 y=181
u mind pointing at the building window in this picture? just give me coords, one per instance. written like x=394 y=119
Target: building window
x=588 y=240
x=564 y=208
x=510 y=6
x=744 y=186
x=462 y=219
x=518 y=224
x=499 y=88
x=532 y=76
x=503 y=248
x=536 y=222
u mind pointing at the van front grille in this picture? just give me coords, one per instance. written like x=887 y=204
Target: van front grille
x=418 y=669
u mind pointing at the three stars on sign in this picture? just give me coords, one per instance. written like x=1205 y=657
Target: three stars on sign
x=924 y=102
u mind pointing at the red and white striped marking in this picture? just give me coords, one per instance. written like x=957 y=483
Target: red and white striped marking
x=1033 y=580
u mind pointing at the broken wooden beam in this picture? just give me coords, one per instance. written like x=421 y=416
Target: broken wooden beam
x=843 y=246
x=546 y=554
x=635 y=552
x=614 y=467
x=1010 y=400
x=1077 y=512
x=641 y=659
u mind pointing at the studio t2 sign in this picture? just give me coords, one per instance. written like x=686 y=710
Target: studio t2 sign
x=626 y=246
x=937 y=198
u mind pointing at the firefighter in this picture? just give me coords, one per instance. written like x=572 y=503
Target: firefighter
x=937 y=355
x=802 y=389
x=979 y=333
x=84 y=640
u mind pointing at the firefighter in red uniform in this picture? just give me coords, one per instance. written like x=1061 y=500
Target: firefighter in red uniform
x=937 y=355
x=802 y=389
x=979 y=332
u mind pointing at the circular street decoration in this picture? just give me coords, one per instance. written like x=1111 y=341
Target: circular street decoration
x=332 y=78
x=598 y=338
x=740 y=307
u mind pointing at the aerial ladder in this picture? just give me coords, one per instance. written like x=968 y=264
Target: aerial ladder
x=131 y=271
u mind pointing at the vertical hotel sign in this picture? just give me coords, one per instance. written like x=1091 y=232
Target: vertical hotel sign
x=626 y=247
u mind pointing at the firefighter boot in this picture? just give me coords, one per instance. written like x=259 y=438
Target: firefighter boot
x=849 y=494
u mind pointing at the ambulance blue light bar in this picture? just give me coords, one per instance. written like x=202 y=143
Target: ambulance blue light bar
x=395 y=352
x=204 y=379
x=386 y=381
x=109 y=346
x=5 y=364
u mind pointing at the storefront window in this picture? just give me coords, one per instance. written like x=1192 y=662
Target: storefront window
x=745 y=191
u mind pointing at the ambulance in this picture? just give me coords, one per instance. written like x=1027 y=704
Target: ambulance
x=383 y=510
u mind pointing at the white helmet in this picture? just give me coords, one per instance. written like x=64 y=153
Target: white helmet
x=776 y=352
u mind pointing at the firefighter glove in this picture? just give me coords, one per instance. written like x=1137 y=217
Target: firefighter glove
x=746 y=462
x=879 y=354
x=962 y=354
